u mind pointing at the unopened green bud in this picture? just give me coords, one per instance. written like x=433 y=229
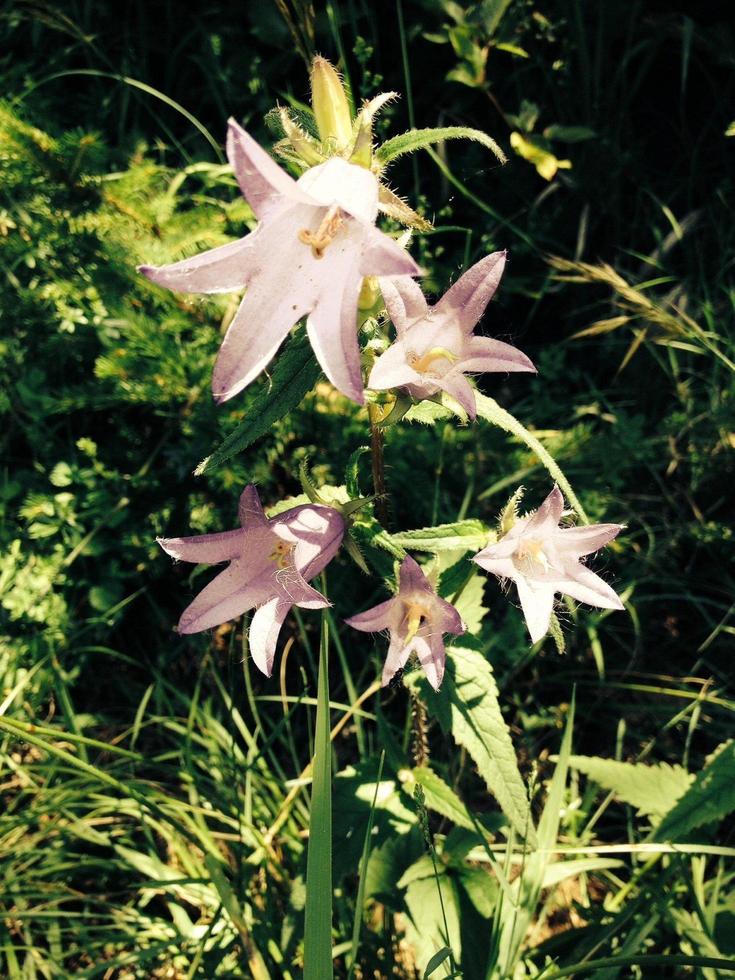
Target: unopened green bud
x=369 y=295
x=329 y=101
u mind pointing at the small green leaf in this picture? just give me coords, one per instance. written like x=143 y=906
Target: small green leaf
x=472 y=535
x=294 y=375
x=710 y=797
x=420 y=139
x=651 y=789
x=436 y=961
x=512 y=49
x=569 y=134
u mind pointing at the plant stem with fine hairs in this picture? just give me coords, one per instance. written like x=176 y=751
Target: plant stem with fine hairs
x=378 y=464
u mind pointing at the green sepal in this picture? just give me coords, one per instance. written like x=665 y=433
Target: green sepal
x=421 y=139
x=307 y=486
x=401 y=406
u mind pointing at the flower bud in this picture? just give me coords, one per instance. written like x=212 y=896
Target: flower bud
x=329 y=101
x=369 y=296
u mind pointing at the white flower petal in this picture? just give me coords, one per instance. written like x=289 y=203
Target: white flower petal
x=265 y=627
x=537 y=604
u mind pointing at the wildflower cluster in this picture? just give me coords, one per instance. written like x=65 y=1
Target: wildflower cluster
x=317 y=253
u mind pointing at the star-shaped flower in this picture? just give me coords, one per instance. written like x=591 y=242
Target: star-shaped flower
x=543 y=559
x=435 y=346
x=270 y=564
x=315 y=240
x=417 y=618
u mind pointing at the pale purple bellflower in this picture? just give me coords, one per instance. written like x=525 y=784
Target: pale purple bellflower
x=435 y=346
x=543 y=559
x=270 y=564
x=417 y=618
x=315 y=241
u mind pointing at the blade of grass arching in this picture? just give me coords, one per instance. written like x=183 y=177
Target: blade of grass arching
x=647 y=962
x=360 y=900
x=318 y=924
x=143 y=87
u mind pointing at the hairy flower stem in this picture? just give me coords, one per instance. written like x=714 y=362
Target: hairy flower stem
x=378 y=466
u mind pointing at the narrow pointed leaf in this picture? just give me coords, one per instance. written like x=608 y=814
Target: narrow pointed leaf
x=420 y=139
x=469 y=534
x=318 y=922
x=710 y=797
x=295 y=374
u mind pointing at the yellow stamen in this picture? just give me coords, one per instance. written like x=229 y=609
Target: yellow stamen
x=319 y=239
x=422 y=364
x=282 y=554
x=533 y=550
x=415 y=614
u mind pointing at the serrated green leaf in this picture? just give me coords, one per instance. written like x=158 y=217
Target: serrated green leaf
x=471 y=534
x=438 y=796
x=295 y=374
x=488 y=409
x=427 y=413
x=651 y=789
x=467 y=706
x=419 y=139
x=710 y=797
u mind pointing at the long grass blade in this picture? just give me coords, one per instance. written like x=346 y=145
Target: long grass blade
x=318 y=927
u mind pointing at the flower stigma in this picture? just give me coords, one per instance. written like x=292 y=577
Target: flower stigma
x=423 y=364
x=322 y=237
